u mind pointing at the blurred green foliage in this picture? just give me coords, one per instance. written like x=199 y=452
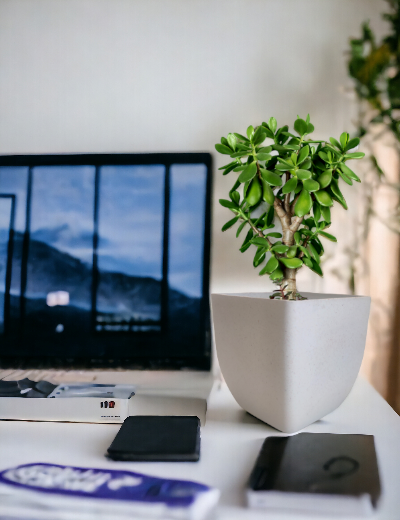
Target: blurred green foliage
x=375 y=68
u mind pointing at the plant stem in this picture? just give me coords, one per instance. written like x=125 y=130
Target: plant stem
x=290 y=224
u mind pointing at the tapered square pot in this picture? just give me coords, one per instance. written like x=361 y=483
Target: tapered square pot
x=290 y=363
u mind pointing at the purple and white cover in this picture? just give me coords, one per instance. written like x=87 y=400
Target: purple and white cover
x=121 y=490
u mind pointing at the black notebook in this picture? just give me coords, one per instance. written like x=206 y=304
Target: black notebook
x=316 y=472
x=157 y=438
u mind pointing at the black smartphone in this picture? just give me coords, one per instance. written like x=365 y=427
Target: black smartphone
x=157 y=438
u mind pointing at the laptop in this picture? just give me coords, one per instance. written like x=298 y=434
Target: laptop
x=104 y=270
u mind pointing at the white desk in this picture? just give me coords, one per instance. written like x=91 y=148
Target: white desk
x=231 y=440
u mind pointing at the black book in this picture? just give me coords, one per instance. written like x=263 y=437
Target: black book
x=157 y=438
x=316 y=472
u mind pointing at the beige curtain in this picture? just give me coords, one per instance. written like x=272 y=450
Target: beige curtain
x=378 y=264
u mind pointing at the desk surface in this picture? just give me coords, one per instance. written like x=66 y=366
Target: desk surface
x=231 y=441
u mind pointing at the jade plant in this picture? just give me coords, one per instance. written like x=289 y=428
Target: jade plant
x=293 y=178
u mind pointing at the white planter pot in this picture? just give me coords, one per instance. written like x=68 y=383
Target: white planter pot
x=289 y=363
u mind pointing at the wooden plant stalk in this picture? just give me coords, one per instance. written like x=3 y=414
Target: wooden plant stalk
x=295 y=179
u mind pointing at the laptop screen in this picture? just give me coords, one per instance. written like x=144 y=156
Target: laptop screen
x=104 y=261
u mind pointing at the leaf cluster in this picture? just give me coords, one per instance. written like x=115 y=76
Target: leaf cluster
x=375 y=68
x=274 y=169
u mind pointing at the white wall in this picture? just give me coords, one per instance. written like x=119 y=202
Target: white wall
x=175 y=75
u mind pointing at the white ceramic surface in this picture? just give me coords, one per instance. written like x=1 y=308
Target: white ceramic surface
x=290 y=363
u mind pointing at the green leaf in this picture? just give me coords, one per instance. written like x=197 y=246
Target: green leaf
x=303 y=153
x=292 y=252
x=303 y=204
x=324 y=157
x=355 y=155
x=335 y=142
x=245 y=247
x=316 y=242
x=229 y=169
x=293 y=156
x=254 y=192
x=277 y=274
x=326 y=214
x=274 y=234
x=243 y=147
x=335 y=189
x=283 y=167
x=242 y=137
x=345 y=178
x=250 y=132
x=311 y=185
x=229 y=224
x=316 y=212
x=246 y=241
x=305 y=251
x=228 y=204
x=328 y=236
x=259 y=136
x=285 y=148
x=239 y=154
x=272 y=264
x=264 y=270
x=316 y=268
x=268 y=194
x=303 y=175
x=325 y=178
x=301 y=126
x=272 y=124
x=268 y=131
x=232 y=141
x=271 y=178
x=263 y=156
x=259 y=257
x=352 y=143
x=344 y=139
x=221 y=148
x=291 y=263
x=310 y=128
x=233 y=163
x=335 y=152
x=259 y=219
x=265 y=149
x=297 y=238
x=270 y=216
x=286 y=162
x=314 y=253
x=235 y=196
x=346 y=170
x=280 y=249
x=239 y=229
x=323 y=198
x=341 y=201
x=290 y=185
x=258 y=241
x=248 y=173
x=306 y=165
x=307 y=262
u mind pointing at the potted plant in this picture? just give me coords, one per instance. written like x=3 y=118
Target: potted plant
x=288 y=359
